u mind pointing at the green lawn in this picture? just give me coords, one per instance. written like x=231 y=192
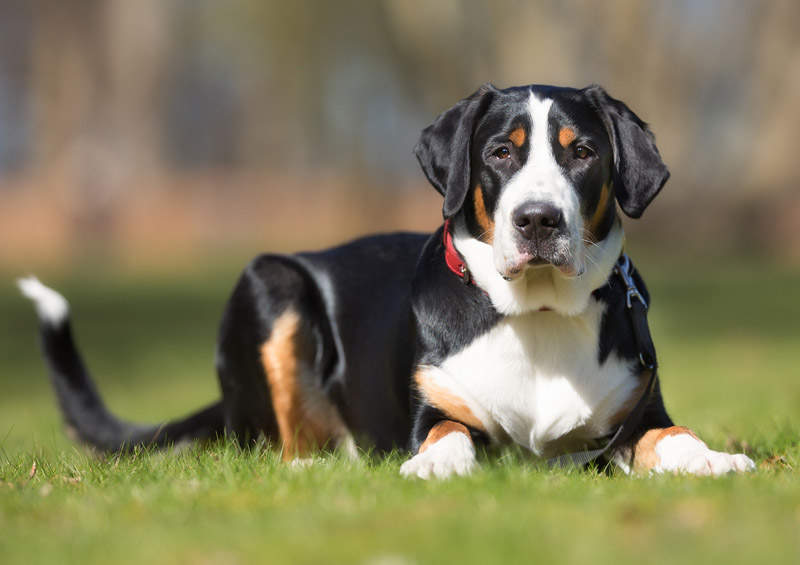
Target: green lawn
x=727 y=336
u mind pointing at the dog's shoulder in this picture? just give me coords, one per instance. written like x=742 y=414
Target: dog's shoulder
x=449 y=311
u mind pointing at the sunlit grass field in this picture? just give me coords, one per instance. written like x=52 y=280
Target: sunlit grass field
x=729 y=344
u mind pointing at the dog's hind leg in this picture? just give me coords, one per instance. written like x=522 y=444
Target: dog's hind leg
x=303 y=415
x=275 y=355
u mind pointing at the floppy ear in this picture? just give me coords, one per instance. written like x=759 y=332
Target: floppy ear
x=443 y=150
x=639 y=172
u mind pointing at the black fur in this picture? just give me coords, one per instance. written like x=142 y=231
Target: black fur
x=449 y=314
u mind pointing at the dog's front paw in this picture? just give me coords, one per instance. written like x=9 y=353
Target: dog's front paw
x=454 y=454
x=684 y=453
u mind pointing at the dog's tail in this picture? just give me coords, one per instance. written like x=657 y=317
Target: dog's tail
x=81 y=404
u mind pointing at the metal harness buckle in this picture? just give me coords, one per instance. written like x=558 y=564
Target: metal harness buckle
x=623 y=269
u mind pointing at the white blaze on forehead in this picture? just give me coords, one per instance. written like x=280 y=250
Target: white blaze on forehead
x=539 y=180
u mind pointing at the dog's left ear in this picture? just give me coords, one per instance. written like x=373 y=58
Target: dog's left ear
x=443 y=150
x=639 y=172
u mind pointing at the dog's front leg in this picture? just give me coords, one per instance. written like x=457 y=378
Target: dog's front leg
x=676 y=449
x=443 y=447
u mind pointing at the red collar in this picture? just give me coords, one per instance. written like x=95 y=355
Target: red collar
x=452 y=257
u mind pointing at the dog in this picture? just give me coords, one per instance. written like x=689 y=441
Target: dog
x=506 y=325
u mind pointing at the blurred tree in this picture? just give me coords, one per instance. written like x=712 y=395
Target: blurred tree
x=102 y=100
x=16 y=20
x=95 y=69
x=773 y=102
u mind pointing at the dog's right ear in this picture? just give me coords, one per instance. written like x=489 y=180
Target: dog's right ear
x=443 y=150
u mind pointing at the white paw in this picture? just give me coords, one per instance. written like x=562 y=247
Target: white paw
x=454 y=454
x=302 y=462
x=684 y=453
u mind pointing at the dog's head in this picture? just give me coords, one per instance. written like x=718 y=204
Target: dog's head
x=530 y=176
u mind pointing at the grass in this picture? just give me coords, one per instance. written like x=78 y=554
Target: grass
x=728 y=344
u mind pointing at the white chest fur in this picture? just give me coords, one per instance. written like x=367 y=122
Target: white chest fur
x=537 y=379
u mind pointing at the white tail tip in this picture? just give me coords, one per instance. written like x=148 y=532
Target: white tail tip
x=50 y=305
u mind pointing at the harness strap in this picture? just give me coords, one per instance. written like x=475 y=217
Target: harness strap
x=637 y=310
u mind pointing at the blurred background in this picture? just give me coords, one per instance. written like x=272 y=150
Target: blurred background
x=149 y=148
x=138 y=134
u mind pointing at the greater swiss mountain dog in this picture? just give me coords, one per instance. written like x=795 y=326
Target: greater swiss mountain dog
x=504 y=325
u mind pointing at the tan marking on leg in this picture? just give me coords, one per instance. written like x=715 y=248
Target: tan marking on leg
x=443 y=428
x=450 y=404
x=600 y=210
x=566 y=136
x=517 y=137
x=279 y=355
x=644 y=452
x=482 y=216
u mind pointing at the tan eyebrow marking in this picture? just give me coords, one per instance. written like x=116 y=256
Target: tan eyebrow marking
x=566 y=136
x=517 y=137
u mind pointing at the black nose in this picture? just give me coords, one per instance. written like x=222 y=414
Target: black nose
x=536 y=218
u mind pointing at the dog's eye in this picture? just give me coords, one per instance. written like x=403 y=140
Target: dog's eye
x=583 y=152
x=502 y=153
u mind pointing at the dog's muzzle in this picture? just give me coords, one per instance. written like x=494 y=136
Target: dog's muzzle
x=541 y=236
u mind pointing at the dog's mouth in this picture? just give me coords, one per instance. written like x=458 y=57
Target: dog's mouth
x=531 y=261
